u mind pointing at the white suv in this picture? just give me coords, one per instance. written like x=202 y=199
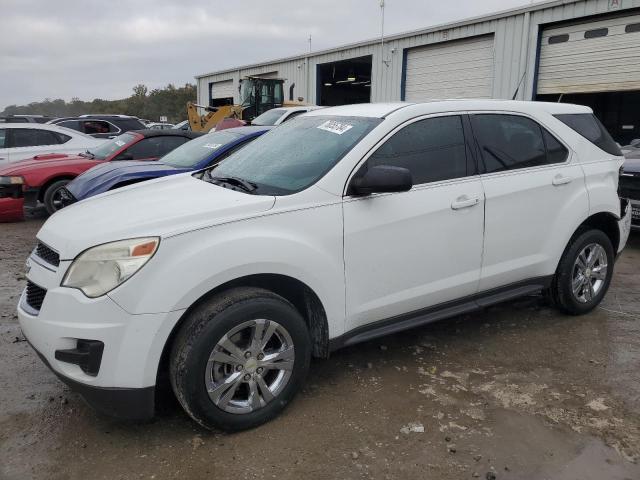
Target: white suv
x=342 y=225
x=19 y=141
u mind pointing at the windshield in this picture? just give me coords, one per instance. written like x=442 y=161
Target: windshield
x=195 y=151
x=296 y=154
x=107 y=148
x=270 y=117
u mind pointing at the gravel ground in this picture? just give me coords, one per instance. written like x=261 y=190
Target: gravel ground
x=517 y=391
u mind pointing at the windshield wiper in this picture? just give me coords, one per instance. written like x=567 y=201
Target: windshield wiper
x=245 y=185
x=88 y=154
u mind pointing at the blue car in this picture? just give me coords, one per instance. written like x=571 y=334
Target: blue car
x=194 y=155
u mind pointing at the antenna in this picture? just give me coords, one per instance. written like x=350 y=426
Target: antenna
x=386 y=62
x=309 y=43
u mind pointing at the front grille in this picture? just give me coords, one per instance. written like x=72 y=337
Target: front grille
x=11 y=191
x=47 y=254
x=35 y=295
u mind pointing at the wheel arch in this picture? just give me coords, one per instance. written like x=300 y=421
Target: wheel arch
x=43 y=188
x=303 y=298
x=607 y=222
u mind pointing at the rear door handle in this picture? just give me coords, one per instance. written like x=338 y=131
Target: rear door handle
x=561 y=180
x=464 y=202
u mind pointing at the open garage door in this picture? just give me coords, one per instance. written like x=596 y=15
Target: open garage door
x=456 y=69
x=597 y=64
x=597 y=56
x=221 y=93
x=344 y=82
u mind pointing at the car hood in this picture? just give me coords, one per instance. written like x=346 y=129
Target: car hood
x=41 y=162
x=104 y=177
x=162 y=207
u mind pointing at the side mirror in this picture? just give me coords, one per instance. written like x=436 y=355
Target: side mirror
x=382 y=179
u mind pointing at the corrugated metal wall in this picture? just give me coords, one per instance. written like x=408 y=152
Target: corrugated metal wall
x=516 y=49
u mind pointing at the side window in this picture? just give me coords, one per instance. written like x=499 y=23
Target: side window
x=93 y=127
x=169 y=143
x=508 y=142
x=3 y=138
x=587 y=125
x=23 y=137
x=432 y=150
x=556 y=152
x=62 y=138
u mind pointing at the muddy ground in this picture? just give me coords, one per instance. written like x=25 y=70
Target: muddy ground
x=517 y=391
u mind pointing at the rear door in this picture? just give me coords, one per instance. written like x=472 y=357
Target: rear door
x=28 y=142
x=410 y=250
x=534 y=195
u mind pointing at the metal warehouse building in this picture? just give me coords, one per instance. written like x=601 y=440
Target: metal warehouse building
x=585 y=52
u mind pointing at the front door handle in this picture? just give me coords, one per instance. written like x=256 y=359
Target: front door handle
x=561 y=180
x=464 y=202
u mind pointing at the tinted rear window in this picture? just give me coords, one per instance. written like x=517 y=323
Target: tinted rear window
x=587 y=125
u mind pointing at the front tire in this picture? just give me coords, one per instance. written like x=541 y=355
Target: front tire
x=584 y=273
x=239 y=359
x=52 y=197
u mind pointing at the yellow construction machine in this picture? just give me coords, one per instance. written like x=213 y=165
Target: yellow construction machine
x=258 y=95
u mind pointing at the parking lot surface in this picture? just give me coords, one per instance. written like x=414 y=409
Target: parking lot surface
x=516 y=391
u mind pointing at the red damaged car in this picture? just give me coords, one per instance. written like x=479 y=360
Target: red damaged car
x=42 y=178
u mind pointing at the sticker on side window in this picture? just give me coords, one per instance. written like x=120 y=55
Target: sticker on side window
x=335 y=127
x=212 y=146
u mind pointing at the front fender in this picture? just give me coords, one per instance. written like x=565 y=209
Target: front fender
x=305 y=245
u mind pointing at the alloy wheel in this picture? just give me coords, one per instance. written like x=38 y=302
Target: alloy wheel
x=589 y=273
x=57 y=198
x=249 y=366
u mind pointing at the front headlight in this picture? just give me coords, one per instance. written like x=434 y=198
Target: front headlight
x=11 y=181
x=100 y=269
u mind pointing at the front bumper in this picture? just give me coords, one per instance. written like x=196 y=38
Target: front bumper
x=11 y=209
x=122 y=384
x=31 y=197
x=123 y=403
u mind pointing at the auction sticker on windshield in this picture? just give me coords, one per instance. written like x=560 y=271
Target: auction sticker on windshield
x=335 y=127
x=212 y=146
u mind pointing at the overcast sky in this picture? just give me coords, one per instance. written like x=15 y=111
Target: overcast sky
x=101 y=49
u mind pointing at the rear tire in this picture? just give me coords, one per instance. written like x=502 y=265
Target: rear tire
x=239 y=359
x=584 y=272
x=51 y=197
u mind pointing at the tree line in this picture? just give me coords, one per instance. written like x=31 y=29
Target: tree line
x=170 y=101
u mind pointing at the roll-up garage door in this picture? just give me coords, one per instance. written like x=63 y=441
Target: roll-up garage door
x=595 y=56
x=223 y=89
x=456 y=69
